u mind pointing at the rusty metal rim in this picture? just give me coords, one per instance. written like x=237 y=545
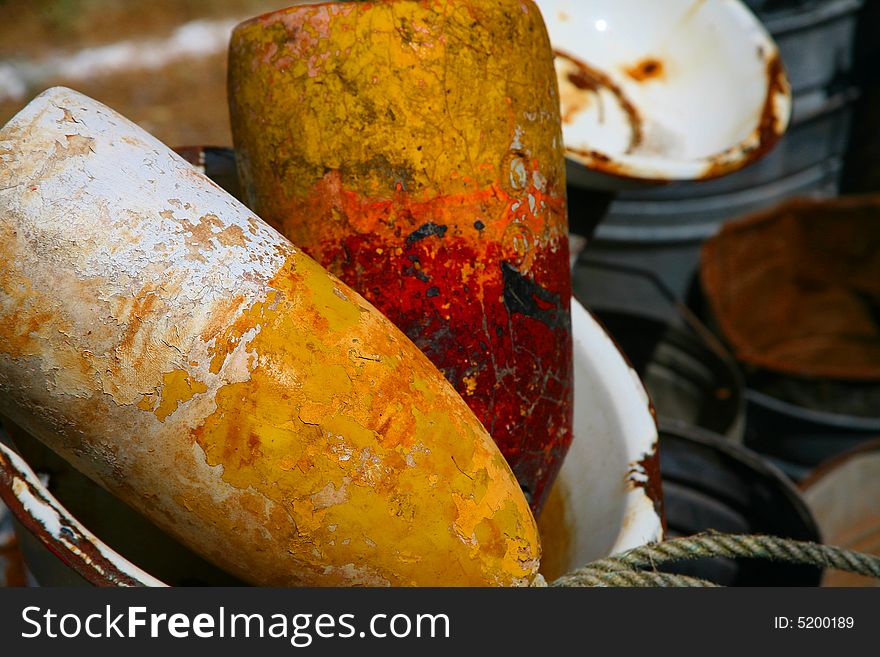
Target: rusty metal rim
x=46 y=518
x=649 y=466
x=644 y=474
x=742 y=347
x=832 y=464
x=646 y=169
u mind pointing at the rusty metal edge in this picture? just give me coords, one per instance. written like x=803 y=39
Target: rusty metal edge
x=831 y=465
x=649 y=466
x=770 y=128
x=37 y=510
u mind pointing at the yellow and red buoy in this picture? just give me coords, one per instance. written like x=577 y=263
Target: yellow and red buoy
x=415 y=149
x=184 y=355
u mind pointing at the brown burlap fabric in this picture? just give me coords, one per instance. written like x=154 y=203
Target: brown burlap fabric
x=796 y=289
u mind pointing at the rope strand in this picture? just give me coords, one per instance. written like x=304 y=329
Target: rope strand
x=637 y=567
x=629 y=579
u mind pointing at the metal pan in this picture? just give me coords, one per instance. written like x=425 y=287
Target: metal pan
x=663 y=91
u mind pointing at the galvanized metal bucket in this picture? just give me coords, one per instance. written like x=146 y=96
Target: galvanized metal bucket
x=815 y=39
x=844 y=496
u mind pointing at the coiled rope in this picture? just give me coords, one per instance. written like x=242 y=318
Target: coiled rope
x=637 y=567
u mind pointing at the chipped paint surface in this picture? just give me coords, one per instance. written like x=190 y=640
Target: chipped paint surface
x=191 y=360
x=414 y=149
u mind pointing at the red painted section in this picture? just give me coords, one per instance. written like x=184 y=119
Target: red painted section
x=504 y=344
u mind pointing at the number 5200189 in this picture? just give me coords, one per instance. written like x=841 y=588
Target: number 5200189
x=814 y=623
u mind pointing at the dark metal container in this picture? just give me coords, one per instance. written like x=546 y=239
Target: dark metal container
x=815 y=39
x=711 y=483
x=689 y=374
x=802 y=412
x=844 y=497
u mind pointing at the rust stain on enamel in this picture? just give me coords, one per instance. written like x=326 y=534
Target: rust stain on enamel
x=645 y=70
x=581 y=84
x=770 y=127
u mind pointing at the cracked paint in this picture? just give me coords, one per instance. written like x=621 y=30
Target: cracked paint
x=415 y=150
x=196 y=364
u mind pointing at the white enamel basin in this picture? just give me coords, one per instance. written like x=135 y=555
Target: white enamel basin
x=664 y=90
x=601 y=503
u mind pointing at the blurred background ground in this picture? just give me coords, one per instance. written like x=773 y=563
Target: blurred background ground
x=175 y=88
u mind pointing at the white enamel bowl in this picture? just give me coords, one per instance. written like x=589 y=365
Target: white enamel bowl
x=664 y=90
